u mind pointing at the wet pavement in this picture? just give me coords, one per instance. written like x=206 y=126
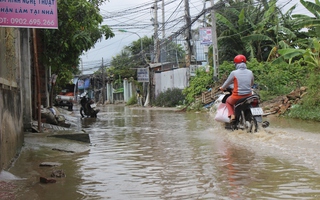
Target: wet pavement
x=142 y=153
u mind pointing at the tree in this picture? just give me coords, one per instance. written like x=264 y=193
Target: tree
x=78 y=30
x=252 y=29
x=308 y=44
x=138 y=55
x=122 y=66
x=307 y=53
x=312 y=24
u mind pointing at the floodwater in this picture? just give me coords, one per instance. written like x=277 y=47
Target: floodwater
x=140 y=153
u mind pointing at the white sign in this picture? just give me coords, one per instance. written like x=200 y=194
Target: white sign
x=143 y=75
x=256 y=111
x=205 y=36
x=193 y=69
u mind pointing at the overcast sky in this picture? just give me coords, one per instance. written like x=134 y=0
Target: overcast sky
x=135 y=16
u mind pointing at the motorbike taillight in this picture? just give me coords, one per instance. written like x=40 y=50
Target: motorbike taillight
x=255 y=102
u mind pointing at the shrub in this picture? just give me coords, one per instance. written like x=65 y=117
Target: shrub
x=132 y=100
x=198 y=84
x=272 y=79
x=305 y=113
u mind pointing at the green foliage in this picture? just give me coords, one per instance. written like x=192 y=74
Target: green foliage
x=170 y=98
x=198 y=84
x=139 y=58
x=277 y=79
x=312 y=99
x=225 y=68
x=312 y=23
x=196 y=106
x=248 y=28
x=131 y=57
x=272 y=79
x=305 y=113
x=79 y=29
x=122 y=66
x=132 y=100
x=305 y=66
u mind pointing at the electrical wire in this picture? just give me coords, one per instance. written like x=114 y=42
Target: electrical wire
x=134 y=18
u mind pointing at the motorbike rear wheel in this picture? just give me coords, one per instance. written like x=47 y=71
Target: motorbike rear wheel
x=248 y=122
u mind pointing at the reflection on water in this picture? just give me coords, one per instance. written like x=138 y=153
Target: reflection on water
x=159 y=154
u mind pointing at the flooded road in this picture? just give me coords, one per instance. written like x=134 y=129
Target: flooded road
x=162 y=154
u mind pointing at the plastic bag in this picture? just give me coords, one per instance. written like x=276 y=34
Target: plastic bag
x=222 y=113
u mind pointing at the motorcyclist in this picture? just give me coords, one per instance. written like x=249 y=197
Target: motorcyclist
x=242 y=79
x=86 y=108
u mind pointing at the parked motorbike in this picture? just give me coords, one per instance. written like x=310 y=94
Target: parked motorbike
x=248 y=113
x=88 y=107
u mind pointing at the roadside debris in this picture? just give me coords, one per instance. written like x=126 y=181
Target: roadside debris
x=55 y=149
x=50 y=164
x=46 y=180
x=282 y=104
x=53 y=116
x=59 y=173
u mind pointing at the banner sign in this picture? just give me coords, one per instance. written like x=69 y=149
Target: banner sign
x=143 y=75
x=84 y=84
x=29 y=13
x=205 y=35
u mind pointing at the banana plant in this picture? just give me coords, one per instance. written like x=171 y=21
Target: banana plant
x=310 y=56
x=307 y=48
x=311 y=23
x=254 y=30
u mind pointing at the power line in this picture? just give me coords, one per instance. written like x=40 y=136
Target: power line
x=134 y=18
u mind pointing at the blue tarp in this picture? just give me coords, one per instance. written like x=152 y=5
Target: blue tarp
x=84 y=84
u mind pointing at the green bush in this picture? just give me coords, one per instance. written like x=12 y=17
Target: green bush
x=277 y=79
x=312 y=99
x=198 y=84
x=170 y=98
x=196 y=106
x=305 y=113
x=272 y=79
x=132 y=100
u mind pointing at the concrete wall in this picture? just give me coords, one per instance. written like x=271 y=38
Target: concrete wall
x=14 y=79
x=11 y=126
x=177 y=78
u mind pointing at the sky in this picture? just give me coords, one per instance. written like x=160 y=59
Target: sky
x=136 y=18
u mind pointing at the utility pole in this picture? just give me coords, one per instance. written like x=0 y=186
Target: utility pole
x=103 y=83
x=188 y=35
x=214 y=43
x=156 y=39
x=163 y=22
x=204 y=14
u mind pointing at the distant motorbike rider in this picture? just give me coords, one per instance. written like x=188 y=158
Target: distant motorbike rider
x=242 y=79
x=86 y=109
